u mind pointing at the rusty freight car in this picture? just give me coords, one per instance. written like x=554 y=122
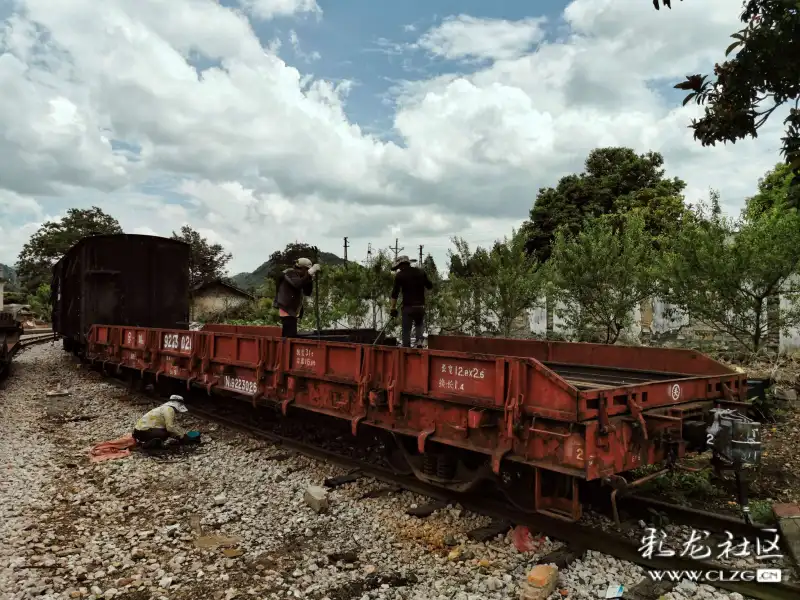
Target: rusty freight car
x=139 y=280
x=551 y=414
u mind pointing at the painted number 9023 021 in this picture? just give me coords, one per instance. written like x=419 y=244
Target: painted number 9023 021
x=173 y=341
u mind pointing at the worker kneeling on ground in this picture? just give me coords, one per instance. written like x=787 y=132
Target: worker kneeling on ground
x=292 y=285
x=412 y=282
x=158 y=425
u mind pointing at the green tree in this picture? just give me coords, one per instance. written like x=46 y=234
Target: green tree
x=726 y=272
x=514 y=284
x=773 y=192
x=54 y=238
x=207 y=261
x=377 y=288
x=40 y=303
x=281 y=260
x=489 y=291
x=615 y=180
x=748 y=87
x=468 y=276
x=438 y=303
x=601 y=274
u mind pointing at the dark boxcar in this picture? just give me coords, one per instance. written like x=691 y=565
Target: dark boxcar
x=137 y=280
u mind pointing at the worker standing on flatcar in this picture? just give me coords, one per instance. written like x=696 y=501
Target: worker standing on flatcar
x=293 y=284
x=412 y=282
x=158 y=425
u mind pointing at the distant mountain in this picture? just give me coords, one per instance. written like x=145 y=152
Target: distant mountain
x=8 y=273
x=252 y=281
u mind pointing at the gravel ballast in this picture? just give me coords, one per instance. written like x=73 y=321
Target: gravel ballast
x=221 y=520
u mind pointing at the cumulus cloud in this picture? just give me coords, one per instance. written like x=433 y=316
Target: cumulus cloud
x=174 y=113
x=469 y=37
x=269 y=9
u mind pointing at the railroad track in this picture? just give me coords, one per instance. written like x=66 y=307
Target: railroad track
x=26 y=341
x=577 y=537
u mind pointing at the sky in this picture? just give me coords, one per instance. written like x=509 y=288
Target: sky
x=264 y=122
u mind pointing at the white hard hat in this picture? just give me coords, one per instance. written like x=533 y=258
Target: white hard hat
x=303 y=262
x=176 y=402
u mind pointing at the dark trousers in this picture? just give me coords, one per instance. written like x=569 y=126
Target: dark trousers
x=413 y=315
x=151 y=437
x=289 y=327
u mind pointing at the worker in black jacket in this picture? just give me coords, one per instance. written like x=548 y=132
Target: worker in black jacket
x=412 y=282
x=292 y=285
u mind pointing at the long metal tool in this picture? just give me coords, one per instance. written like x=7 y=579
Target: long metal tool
x=316 y=296
x=385 y=325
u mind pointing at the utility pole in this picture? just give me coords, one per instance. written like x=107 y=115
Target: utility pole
x=420 y=255
x=396 y=248
x=346 y=246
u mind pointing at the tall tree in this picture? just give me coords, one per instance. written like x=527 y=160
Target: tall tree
x=601 y=274
x=490 y=290
x=747 y=88
x=467 y=281
x=54 y=238
x=283 y=259
x=207 y=261
x=774 y=191
x=725 y=272
x=514 y=284
x=615 y=180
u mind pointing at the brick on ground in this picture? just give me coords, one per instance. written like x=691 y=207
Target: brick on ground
x=317 y=498
x=540 y=583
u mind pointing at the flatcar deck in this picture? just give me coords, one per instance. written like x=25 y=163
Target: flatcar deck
x=587 y=377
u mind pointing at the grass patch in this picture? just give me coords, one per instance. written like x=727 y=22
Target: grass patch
x=761 y=511
x=685 y=485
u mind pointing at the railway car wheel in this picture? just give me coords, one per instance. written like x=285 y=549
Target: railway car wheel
x=393 y=455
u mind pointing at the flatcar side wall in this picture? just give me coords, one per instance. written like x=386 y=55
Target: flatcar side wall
x=475 y=403
x=669 y=360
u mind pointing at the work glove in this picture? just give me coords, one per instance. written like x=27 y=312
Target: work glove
x=313 y=270
x=393 y=313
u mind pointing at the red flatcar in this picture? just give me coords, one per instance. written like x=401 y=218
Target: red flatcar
x=465 y=408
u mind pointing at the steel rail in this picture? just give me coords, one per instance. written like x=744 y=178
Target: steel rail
x=22 y=343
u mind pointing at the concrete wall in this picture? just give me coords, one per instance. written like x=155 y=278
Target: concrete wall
x=658 y=323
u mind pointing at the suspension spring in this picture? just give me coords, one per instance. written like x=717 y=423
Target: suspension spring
x=429 y=464
x=446 y=469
